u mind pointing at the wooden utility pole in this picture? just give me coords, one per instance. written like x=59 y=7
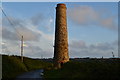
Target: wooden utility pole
x=22 y=49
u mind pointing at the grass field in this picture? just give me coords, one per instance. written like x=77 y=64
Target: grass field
x=87 y=70
x=12 y=65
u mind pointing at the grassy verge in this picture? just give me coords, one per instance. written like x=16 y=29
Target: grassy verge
x=33 y=64
x=94 y=69
x=12 y=65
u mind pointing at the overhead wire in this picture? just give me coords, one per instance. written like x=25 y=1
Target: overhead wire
x=10 y=21
x=12 y=24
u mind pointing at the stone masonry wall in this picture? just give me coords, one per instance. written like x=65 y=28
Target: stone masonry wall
x=61 y=36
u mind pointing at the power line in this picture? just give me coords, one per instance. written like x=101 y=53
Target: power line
x=11 y=22
x=19 y=35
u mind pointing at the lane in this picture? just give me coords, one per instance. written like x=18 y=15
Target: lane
x=36 y=74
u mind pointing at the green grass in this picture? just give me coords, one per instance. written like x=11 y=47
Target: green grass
x=12 y=65
x=92 y=70
x=35 y=64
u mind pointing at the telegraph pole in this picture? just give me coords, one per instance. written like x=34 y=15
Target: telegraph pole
x=22 y=49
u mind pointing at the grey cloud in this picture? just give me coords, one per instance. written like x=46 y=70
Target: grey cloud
x=7 y=34
x=15 y=22
x=10 y=47
x=3 y=47
x=28 y=34
x=37 y=51
x=93 y=50
x=115 y=43
x=33 y=49
x=27 y=28
x=109 y=23
x=102 y=46
x=20 y=27
x=37 y=19
x=82 y=15
x=78 y=44
x=86 y=15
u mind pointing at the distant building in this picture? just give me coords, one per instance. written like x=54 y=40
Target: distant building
x=61 y=37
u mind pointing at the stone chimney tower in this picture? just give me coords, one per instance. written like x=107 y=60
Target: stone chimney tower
x=61 y=37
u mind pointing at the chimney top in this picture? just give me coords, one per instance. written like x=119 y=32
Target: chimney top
x=61 y=5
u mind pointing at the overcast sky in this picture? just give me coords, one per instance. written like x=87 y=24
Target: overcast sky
x=92 y=29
